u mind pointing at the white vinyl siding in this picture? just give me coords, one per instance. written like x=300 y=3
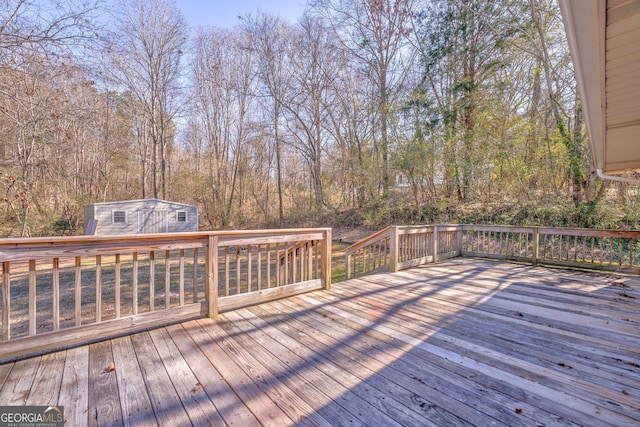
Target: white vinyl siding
x=141 y=216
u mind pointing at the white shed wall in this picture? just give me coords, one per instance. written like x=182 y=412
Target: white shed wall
x=142 y=216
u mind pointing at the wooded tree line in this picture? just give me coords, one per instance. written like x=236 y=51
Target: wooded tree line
x=432 y=107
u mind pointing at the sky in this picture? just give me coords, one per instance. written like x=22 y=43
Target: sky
x=224 y=13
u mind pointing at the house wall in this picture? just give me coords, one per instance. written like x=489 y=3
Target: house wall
x=142 y=216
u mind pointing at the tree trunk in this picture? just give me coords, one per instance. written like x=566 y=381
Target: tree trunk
x=276 y=123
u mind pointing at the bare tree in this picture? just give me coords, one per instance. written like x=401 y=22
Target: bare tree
x=145 y=53
x=314 y=69
x=223 y=77
x=375 y=33
x=270 y=41
x=49 y=26
x=55 y=153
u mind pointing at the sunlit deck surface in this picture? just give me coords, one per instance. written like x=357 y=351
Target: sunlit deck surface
x=462 y=342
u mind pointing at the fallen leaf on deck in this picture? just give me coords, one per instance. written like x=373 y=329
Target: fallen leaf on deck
x=519 y=314
x=518 y=411
x=565 y=366
x=197 y=388
x=110 y=368
x=625 y=392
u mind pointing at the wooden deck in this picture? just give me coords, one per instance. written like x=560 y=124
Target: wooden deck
x=462 y=342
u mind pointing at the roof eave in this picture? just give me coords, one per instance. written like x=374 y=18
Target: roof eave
x=589 y=65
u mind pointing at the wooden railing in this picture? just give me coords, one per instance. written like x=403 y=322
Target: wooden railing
x=612 y=250
x=499 y=242
x=370 y=255
x=396 y=248
x=399 y=247
x=62 y=291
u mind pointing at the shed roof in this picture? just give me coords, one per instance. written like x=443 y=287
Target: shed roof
x=604 y=40
x=153 y=200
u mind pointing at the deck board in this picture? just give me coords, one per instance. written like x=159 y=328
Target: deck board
x=5 y=370
x=210 y=382
x=45 y=388
x=426 y=376
x=501 y=334
x=167 y=405
x=74 y=390
x=103 y=394
x=242 y=384
x=198 y=407
x=313 y=387
x=463 y=342
x=17 y=386
x=134 y=395
x=287 y=400
x=368 y=369
x=348 y=407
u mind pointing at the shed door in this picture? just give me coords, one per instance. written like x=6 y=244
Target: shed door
x=152 y=221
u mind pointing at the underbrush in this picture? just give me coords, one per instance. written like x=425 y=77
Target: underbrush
x=377 y=215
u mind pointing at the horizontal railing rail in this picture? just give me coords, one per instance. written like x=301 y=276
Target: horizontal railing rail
x=61 y=291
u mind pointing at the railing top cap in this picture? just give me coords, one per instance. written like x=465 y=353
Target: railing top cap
x=195 y=235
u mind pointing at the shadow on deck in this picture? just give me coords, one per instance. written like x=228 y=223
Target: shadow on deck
x=462 y=342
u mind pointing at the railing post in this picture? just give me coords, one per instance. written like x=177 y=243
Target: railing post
x=326 y=259
x=459 y=239
x=434 y=243
x=347 y=265
x=211 y=276
x=393 y=248
x=536 y=242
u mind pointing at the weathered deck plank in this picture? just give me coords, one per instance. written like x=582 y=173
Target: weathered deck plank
x=210 y=381
x=503 y=366
x=503 y=334
x=243 y=385
x=287 y=400
x=315 y=386
x=104 y=400
x=199 y=408
x=356 y=366
x=46 y=387
x=134 y=396
x=403 y=377
x=18 y=384
x=397 y=360
x=74 y=390
x=166 y=403
x=463 y=342
x=5 y=370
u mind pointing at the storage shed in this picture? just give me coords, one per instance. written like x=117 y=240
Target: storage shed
x=139 y=217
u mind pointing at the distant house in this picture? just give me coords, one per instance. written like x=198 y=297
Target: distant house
x=139 y=217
